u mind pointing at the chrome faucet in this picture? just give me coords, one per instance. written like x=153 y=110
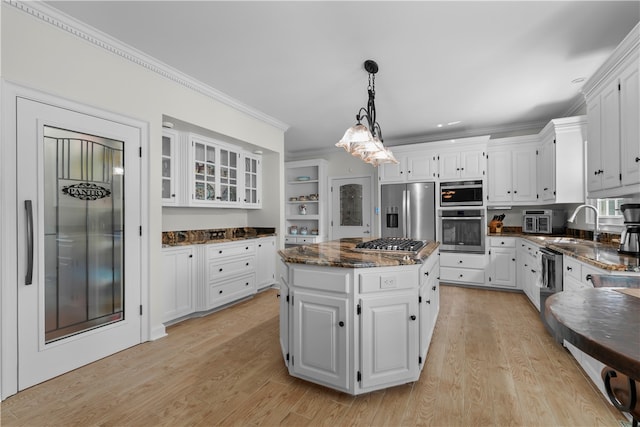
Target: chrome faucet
x=597 y=225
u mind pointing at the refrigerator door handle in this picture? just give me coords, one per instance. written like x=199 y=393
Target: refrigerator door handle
x=408 y=208
x=404 y=206
x=29 y=210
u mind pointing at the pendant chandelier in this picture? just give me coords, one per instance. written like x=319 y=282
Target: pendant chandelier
x=362 y=141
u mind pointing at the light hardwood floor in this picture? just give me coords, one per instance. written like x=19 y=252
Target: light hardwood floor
x=491 y=363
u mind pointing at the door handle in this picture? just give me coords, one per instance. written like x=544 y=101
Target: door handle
x=28 y=206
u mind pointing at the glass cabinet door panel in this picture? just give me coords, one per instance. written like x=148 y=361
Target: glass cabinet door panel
x=351 y=205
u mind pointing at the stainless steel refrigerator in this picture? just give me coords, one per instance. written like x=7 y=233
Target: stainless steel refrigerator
x=408 y=210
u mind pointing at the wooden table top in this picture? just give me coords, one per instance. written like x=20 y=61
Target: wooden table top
x=602 y=322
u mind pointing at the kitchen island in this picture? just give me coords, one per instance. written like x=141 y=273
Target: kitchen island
x=357 y=320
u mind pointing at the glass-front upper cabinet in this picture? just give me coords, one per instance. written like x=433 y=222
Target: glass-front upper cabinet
x=214 y=173
x=229 y=175
x=170 y=167
x=252 y=182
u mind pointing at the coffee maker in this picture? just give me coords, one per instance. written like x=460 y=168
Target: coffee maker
x=630 y=239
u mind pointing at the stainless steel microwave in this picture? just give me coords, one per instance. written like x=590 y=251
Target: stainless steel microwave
x=461 y=193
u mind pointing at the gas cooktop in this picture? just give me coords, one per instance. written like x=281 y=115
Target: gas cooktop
x=396 y=244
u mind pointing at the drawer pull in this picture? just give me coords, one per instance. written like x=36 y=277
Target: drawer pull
x=460 y=276
x=433 y=288
x=502 y=243
x=569 y=268
x=426 y=273
x=588 y=277
x=219 y=252
x=220 y=270
x=460 y=262
x=247 y=264
x=220 y=292
x=413 y=317
x=428 y=301
x=247 y=248
x=246 y=284
x=341 y=324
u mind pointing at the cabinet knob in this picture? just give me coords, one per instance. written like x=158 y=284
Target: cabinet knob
x=341 y=324
x=569 y=268
x=461 y=276
x=220 y=291
x=508 y=191
x=433 y=288
x=588 y=277
x=191 y=256
x=220 y=270
x=502 y=243
x=247 y=264
x=260 y=245
x=426 y=273
x=545 y=189
x=637 y=159
x=247 y=248
x=219 y=252
x=246 y=284
x=515 y=191
x=413 y=317
x=533 y=271
x=460 y=262
x=513 y=259
x=428 y=302
x=173 y=195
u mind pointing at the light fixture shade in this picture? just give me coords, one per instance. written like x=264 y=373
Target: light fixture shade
x=355 y=135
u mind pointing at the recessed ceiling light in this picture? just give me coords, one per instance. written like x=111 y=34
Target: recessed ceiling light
x=578 y=80
x=454 y=123
x=439 y=125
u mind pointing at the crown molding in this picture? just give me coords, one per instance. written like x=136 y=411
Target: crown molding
x=625 y=49
x=64 y=22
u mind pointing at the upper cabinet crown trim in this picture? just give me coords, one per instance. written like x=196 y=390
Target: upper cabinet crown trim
x=621 y=52
x=87 y=33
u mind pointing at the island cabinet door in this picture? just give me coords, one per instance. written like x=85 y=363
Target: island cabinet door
x=284 y=321
x=389 y=337
x=320 y=346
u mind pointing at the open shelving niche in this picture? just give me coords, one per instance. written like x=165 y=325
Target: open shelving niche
x=316 y=215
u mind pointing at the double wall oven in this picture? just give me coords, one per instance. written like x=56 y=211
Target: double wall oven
x=462 y=230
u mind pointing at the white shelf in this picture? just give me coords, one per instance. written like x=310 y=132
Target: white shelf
x=311 y=181
x=316 y=217
x=303 y=217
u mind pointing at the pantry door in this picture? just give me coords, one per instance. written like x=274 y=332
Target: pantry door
x=350 y=207
x=78 y=186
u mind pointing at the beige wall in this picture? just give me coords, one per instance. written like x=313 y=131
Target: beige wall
x=44 y=57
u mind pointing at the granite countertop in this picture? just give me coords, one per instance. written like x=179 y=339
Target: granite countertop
x=342 y=253
x=600 y=255
x=602 y=322
x=215 y=235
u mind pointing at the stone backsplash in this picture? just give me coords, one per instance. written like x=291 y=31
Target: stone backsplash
x=215 y=235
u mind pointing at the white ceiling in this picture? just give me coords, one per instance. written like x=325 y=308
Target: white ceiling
x=491 y=65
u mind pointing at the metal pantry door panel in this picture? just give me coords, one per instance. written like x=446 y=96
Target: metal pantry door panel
x=393 y=201
x=421 y=217
x=79 y=301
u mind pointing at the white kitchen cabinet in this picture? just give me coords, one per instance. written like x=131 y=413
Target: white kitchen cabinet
x=265 y=261
x=285 y=309
x=229 y=275
x=413 y=166
x=177 y=282
x=466 y=164
x=252 y=180
x=463 y=268
x=575 y=274
x=529 y=273
x=302 y=179
x=320 y=338
x=214 y=176
x=612 y=95
x=429 y=301
x=389 y=337
x=512 y=171
x=502 y=262
x=560 y=161
x=172 y=194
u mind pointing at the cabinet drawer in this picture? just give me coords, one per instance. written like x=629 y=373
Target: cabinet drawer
x=506 y=242
x=571 y=268
x=387 y=281
x=219 y=293
x=448 y=259
x=223 y=268
x=336 y=280
x=448 y=274
x=221 y=250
